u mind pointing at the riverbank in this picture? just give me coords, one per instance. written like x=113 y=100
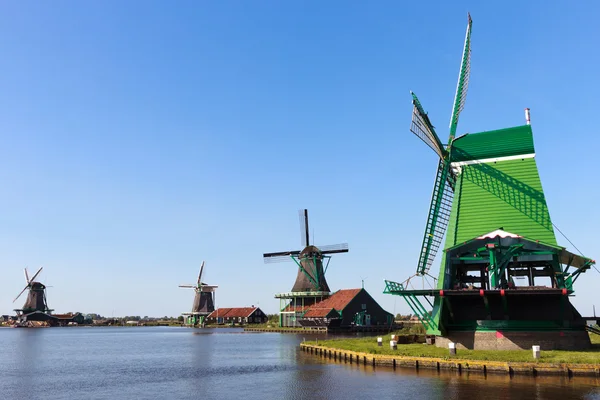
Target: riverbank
x=285 y=330
x=460 y=365
x=398 y=329
x=366 y=351
x=38 y=324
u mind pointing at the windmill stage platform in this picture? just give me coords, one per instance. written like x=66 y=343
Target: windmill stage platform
x=480 y=307
x=503 y=333
x=291 y=295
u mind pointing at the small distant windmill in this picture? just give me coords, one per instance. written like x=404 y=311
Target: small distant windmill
x=36 y=299
x=311 y=274
x=310 y=285
x=204 y=300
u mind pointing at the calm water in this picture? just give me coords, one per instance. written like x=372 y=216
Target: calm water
x=182 y=363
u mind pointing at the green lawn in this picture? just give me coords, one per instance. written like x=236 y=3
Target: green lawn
x=369 y=345
x=277 y=328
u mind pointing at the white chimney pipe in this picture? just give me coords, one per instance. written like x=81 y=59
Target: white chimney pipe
x=527 y=116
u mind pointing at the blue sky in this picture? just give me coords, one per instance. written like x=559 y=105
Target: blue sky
x=140 y=138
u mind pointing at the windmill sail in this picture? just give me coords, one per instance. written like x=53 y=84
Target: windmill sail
x=421 y=126
x=438 y=217
x=333 y=248
x=271 y=258
x=443 y=190
x=463 y=83
x=303 y=216
x=200 y=275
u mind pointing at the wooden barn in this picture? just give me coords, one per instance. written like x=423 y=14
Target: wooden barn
x=68 y=319
x=52 y=319
x=239 y=316
x=346 y=308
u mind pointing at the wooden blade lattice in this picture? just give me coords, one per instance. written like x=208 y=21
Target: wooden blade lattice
x=438 y=217
x=422 y=128
x=463 y=83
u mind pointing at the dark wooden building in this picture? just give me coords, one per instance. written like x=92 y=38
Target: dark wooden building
x=239 y=316
x=68 y=319
x=347 y=308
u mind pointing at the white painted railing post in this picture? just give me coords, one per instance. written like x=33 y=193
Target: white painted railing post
x=536 y=351
x=452 y=348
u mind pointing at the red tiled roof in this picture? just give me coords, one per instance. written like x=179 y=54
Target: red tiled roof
x=240 y=312
x=339 y=300
x=318 y=312
x=221 y=312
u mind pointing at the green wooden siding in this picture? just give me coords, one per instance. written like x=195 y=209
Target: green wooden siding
x=500 y=143
x=506 y=195
x=493 y=195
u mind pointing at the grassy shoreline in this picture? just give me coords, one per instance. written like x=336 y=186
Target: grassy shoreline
x=368 y=345
x=283 y=329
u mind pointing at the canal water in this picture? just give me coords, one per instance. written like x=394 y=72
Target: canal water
x=183 y=363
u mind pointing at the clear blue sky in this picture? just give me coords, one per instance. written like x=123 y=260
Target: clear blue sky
x=139 y=138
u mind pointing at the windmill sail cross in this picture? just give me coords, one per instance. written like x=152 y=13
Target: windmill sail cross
x=311 y=274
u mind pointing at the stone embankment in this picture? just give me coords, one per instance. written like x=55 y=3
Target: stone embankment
x=286 y=330
x=460 y=365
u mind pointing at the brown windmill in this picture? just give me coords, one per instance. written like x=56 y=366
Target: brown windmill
x=204 y=300
x=310 y=285
x=35 y=307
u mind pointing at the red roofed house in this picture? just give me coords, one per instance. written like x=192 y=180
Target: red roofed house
x=346 y=308
x=240 y=316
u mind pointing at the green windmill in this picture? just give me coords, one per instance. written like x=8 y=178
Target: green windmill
x=504 y=281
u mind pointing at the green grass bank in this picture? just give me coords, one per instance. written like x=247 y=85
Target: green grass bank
x=368 y=345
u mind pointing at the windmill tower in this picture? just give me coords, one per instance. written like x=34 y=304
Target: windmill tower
x=36 y=306
x=489 y=204
x=310 y=285
x=204 y=301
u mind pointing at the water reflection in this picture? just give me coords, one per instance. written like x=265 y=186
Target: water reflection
x=28 y=347
x=454 y=385
x=183 y=363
